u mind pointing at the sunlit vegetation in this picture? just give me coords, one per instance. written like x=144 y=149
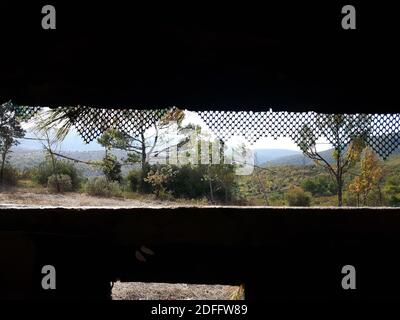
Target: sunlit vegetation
x=354 y=176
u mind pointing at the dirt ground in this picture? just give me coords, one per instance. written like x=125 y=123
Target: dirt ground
x=32 y=197
x=166 y=291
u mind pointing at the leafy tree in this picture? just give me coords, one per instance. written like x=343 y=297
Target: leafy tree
x=159 y=178
x=10 y=131
x=149 y=143
x=111 y=168
x=224 y=182
x=344 y=158
x=370 y=178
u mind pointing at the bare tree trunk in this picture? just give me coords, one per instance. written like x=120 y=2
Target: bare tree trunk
x=340 y=197
x=53 y=161
x=365 y=196
x=340 y=190
x=3 y=162
x=210 y=184
x=339 y=167
x=265 y=194
x=380 y=195
x=226 y=194
x=143 y=161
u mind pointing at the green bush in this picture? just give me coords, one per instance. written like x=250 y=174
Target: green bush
x=391 y=190
x=133 y=180
x=319 y=186
x=159 y=179
x=59 y=183
x=297 y=197
x=188 y=182
x=45 y=169
x=101 y=187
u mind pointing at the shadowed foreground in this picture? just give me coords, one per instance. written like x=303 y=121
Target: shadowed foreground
x=277 y=253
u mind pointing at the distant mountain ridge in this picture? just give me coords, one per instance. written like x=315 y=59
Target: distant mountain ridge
x=301 y=159
x=263 y=156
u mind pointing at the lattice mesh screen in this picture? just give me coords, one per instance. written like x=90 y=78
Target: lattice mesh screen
x=24 y=112
x=380 y=131
x=91 y=122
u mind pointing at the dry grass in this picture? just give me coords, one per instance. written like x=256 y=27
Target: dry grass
x=166 y=291
x=39 y=196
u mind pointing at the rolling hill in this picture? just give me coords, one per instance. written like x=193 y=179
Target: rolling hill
x=263 y=156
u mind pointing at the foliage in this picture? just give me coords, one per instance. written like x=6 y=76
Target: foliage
x=370 y=177
x=319 y=186
x=191 y=181
x=188 y=182
x=298 y=197
x=45 y=169
x=344 y=159
x=101 y=187
x=149 y=142
x=159 y=178
x=59 y=183
x=391 y=190
x=10 y=131
x=222 y=177
x=111 y=168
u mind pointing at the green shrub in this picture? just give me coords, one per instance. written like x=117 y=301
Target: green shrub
x=391 y=190
x=101 y=187
x=159 y=179
x=45 y=169
x=133 y=180
x=59 y=183
x=297 y=197
x=188 y=182
x=319 y=186
x=394 y=201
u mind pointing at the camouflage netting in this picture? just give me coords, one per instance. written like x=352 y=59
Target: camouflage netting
x=380 y=131
x=91 y=122
x=24 y=112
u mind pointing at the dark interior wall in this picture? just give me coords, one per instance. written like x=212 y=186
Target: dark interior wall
x=277 y=253
x=283 y=56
